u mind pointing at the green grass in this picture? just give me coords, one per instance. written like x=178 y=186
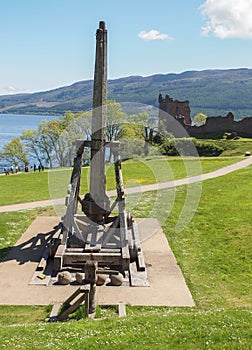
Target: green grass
x=215 y=249
x=29 y=187
x=214 y=252
x=23 y=187
x=233 y=147
x=164 y=330
x=11 y=315
x=161 y=169
x=14 y=224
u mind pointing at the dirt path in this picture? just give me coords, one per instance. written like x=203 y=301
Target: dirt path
x=158 y=186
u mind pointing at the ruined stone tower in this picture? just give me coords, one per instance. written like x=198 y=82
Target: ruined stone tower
x=180 y=110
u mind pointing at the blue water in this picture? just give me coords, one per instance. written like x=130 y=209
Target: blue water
x=12 y=125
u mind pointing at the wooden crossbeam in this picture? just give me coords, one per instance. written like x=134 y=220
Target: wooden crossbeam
x=43 y=262
x=74 y=301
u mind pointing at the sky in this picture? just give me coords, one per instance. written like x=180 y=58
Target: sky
x=47 y=44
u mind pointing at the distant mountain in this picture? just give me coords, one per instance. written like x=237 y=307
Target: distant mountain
x=213 y=92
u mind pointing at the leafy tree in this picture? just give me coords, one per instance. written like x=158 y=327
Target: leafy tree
x=76 y=126
x=115 y=119
x=15 y=152
x=131 y=131
x=49 y=133
x=144 y=122
x=56 y=137
x=200 y=119
x=140 y=118
x=31 y=141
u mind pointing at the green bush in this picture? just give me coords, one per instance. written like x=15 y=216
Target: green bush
x=167 y=149
x=132 y=148
x=189 y=147
x=176 y=147
x=208 y=150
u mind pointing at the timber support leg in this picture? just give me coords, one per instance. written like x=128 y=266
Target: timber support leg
x=80 y=296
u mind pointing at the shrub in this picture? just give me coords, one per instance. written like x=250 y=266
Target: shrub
x=208 y=150
x=185 y=147
x=132 y=148
x=167 y=149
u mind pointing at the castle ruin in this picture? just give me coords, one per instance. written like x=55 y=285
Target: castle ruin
x=178 y=109
x=215 y=126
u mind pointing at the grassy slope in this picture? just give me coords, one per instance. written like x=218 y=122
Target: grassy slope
x=214 y=252
x=29 y=187
x=233 y=147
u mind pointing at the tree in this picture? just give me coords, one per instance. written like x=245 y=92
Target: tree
x=15 y=152
x=56 y=137
x=31 y=142
x=48 y=135
x=200 y=119
x=131 y=131
x=76 y=127
x=115 y=119
x=143 y=121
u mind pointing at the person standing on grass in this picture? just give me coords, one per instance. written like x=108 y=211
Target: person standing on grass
x=6 y=171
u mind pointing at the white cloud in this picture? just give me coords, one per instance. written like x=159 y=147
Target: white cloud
x=228 y=18
x=153 y=35
x=10 y=90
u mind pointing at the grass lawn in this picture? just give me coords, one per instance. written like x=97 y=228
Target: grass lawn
x=214 y=252
x=162 y=330
x=29 y=187
x=14 y=224
x=233 y=147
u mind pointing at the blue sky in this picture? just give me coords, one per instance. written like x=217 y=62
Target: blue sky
x=50 y=43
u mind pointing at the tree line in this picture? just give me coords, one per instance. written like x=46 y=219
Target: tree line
x=52 y=143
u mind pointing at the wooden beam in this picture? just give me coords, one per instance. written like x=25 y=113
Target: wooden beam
x=122 y=309
x=43 y=262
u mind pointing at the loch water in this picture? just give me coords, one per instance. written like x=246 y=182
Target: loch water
x=12 y=125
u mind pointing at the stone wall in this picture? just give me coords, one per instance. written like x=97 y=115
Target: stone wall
x=218 y=126
x=215 y=127
x=177 y=109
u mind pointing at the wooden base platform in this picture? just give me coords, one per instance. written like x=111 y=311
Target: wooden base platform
x=167 y=286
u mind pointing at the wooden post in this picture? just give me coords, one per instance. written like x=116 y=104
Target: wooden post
x=91 y=267
x=97 y=169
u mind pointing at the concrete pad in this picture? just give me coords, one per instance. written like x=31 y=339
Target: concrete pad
x=167 y=284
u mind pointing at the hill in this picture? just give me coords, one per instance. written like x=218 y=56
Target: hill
x=213 y=92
